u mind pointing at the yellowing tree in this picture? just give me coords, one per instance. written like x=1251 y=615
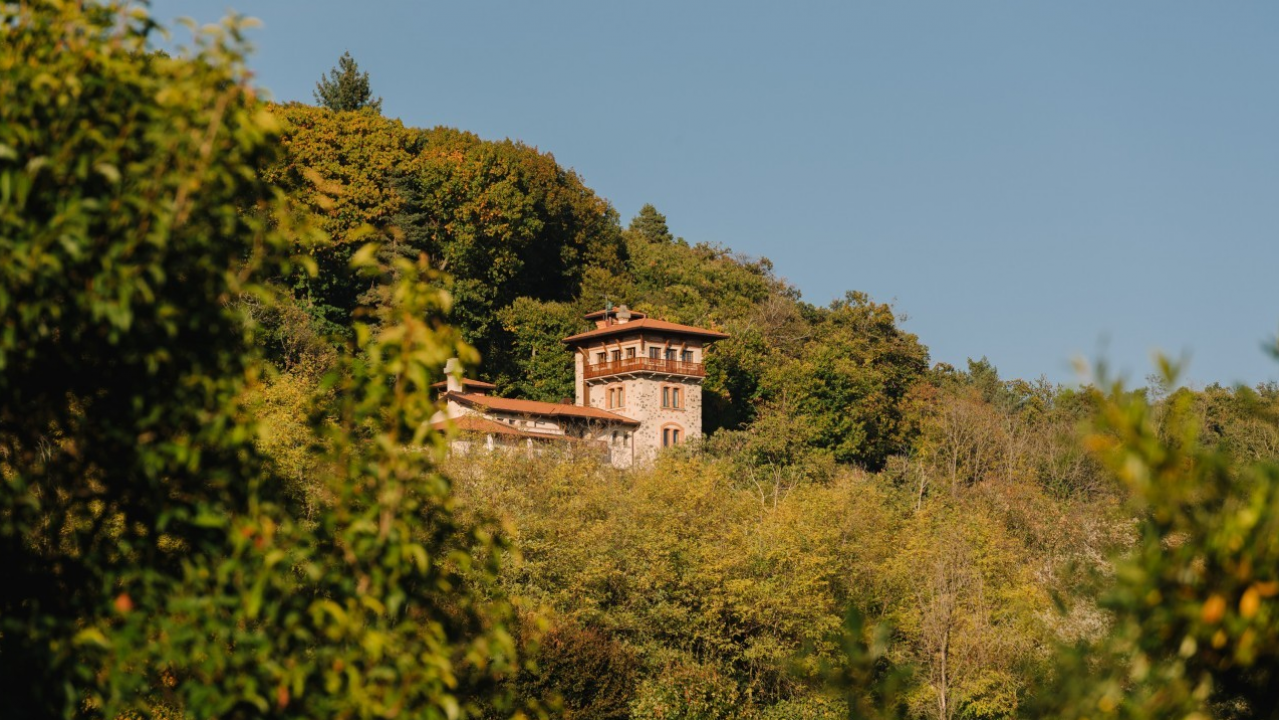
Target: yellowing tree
x=1195 y=600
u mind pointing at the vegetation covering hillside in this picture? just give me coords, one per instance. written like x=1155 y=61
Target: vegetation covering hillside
x=221 y=497
x=529 y=249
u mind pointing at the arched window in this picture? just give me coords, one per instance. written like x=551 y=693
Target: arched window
x=672 y=435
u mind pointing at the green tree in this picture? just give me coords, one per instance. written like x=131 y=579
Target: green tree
x=541 y=365
x=842 y=392
x=505 y=221
x=342 y=170
x=154 y=561
x=651 y=225
x=346 y=88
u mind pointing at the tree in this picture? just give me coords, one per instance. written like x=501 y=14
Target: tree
x=844 y=391
x=542 y=366
x=346 y=88
x=1195 y=598
x=651 y=225
x=154 y=561
x=961 y=437
x=502 y=219
x=505 y=221
x=342 y=169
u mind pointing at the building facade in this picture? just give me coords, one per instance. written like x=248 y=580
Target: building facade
x=637 y=389
x=645 y=369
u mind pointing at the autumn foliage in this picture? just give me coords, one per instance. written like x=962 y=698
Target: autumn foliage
x=221 y=494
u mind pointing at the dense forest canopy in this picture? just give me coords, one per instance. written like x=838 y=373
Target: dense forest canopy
x=530 y=249
x=221 y=495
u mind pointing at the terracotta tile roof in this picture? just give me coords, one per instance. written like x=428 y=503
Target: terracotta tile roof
x=534 y=407
x=475 y=423
x=646 y=324
x=485 y=426
x=467 y=383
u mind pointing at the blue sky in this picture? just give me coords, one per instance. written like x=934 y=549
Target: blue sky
x=1033 y=182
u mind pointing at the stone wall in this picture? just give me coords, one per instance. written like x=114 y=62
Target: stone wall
x=643 y=403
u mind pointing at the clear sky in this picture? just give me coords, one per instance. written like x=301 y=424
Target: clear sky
x=1029 y=181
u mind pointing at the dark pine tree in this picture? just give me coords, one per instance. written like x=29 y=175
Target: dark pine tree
x=652 y=225
x=346 y=88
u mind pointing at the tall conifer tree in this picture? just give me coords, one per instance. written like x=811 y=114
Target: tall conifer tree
x=651 y=224
x=346 y=88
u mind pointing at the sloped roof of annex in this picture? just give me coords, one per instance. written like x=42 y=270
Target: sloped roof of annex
x=535 y=407
x=467 y=424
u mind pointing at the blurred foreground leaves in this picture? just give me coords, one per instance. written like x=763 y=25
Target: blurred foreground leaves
x=154 y=561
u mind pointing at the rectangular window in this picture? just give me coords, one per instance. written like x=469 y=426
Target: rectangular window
x=631 y=353
x=671 y=397
x=666 y=437
x=616 y=397
x=599 y=358
x=616 y=356
x=653 y=352
x=686 y=356
x=671 y=354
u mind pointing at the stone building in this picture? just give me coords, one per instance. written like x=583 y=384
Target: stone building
x=645 y=369
x=638 y=389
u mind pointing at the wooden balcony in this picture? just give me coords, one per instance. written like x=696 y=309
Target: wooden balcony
x=644 y=364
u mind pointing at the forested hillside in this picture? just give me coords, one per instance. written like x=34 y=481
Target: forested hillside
x=223 y=497
x=958 y=509
x=529 y=249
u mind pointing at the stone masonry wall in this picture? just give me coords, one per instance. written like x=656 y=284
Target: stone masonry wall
x=643 y=402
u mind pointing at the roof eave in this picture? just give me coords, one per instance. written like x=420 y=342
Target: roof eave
x=475 y=403
x=709 y=335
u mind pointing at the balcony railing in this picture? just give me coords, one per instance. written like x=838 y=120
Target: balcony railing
x=644 y=364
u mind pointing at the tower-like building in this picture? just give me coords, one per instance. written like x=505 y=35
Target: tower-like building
x=644 y=369
x=638 y=389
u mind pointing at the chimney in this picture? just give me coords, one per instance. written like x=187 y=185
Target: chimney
x=624 y=315
x=453 y=375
